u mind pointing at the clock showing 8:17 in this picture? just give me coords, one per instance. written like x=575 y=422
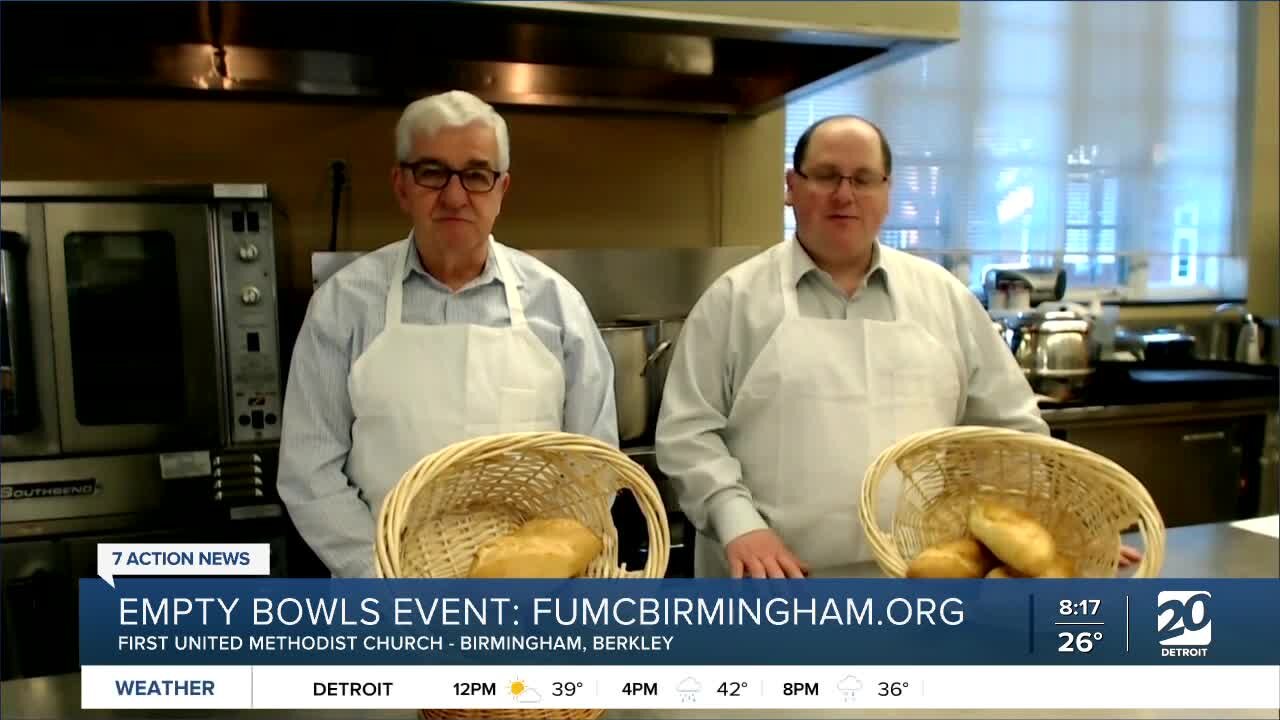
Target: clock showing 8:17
x=1073 y=608
x=1076 y=640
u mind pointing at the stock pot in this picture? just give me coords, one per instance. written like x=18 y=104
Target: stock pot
x=641 y=351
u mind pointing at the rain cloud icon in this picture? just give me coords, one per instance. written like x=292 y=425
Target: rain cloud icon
x=849 y=686
x=688 y=688
x=529 y=696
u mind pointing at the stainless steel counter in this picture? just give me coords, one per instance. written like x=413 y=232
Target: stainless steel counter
x=1164 y=412
x=1217 y=550
x=1203 y=551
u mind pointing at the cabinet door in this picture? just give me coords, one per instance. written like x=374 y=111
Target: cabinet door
x=1193 y=470
x=39 y=632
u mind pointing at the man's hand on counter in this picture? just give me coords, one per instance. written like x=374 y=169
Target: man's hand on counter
x=762 y=554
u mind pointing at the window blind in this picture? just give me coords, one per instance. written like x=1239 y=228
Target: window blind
x=1094 y=136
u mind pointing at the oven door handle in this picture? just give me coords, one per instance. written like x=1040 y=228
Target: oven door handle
x=17 y=371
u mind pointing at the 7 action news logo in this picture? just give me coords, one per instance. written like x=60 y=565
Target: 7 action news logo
x=1183 y=623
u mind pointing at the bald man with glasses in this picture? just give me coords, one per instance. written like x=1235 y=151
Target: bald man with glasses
x=799 y=366
x=440 y=337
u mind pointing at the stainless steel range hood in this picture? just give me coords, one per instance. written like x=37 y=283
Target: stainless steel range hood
x=676 y=57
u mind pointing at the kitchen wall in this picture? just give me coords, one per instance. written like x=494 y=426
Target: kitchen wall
x=578 y=180
x=1264 y=217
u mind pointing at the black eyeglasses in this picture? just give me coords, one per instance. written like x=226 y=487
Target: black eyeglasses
x=435 y=176
x=862 y=181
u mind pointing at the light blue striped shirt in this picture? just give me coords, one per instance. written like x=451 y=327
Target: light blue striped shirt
x=344 y=316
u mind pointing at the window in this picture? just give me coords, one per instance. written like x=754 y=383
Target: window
x=1096 y=137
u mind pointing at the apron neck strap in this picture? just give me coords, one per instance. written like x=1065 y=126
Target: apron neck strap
x=396 y=295
x=786 y=280
x=507 y=273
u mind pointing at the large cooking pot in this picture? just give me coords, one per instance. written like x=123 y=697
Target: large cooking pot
x=669 y=328
x=641 y=352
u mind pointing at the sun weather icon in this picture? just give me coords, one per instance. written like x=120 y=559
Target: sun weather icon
x=522 y=693
x=849 y=687
x=689 y=689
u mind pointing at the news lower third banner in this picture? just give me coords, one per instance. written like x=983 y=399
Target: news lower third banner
x=238 y=642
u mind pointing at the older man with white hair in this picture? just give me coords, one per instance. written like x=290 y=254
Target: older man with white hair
x=440 y=337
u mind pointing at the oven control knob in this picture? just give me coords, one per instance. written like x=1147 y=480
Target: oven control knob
x=250 y=295
x=249 y=253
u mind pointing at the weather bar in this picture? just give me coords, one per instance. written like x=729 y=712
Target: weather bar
x=670 y=687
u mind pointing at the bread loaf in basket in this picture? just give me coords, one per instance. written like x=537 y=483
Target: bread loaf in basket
x=483 y=507
x=951 y=478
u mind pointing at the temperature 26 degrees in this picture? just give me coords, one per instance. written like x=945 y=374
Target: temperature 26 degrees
x=1079 y=641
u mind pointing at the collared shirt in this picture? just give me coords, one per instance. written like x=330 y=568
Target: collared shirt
x=734 y=320
x=344 y=316
x=818 y=296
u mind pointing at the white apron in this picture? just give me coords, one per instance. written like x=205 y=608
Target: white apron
x=819 y=404
x=419 y=388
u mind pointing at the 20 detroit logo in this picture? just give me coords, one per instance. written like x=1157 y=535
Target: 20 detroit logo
x=1184 y=625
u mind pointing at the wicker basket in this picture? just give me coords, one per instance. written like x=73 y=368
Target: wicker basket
x=1085 y=500
x=454 y=500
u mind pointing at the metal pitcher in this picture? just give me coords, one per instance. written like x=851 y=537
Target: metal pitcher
x=1054 y=347
x=1236 y=335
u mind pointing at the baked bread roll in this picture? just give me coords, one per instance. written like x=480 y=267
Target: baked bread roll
x=540 y=549
x=1061 y=567
x=1013 y=536
x=965 y=558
